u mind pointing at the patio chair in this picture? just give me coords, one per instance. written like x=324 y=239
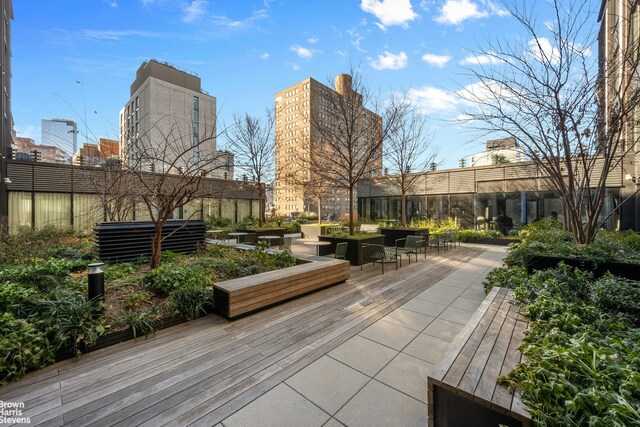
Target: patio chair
x=341 y=251
x=285 y=243
x=376 y=253
x=409 y=245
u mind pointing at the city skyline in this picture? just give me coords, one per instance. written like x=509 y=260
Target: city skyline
x=81 y=64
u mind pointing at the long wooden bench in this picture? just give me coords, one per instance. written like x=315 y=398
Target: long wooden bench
x=463 y=389
x=238 y=297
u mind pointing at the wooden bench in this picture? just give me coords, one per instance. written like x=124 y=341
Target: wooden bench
x=239 y=297
x=463 y=389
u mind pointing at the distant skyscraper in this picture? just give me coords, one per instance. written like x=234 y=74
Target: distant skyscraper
x=61 y=133
x=167 y=113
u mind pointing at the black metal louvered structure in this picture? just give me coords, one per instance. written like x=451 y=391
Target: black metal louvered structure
x=131 y=240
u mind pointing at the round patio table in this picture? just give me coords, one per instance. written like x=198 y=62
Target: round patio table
x=317 y=244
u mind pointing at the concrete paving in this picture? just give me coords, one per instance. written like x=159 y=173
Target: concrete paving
x=378 y=377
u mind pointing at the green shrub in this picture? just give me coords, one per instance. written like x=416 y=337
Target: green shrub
x=18 y=300
x=218 y=222
x=42 y=273
x=283 y=260
x=170 y=256
x=191 y=301
x=168 y=277
x=291 y=227
x=504 y=277
x=581 y=350
x=78 y=324
x=141 y=322
x=23 y=348
x=465 y=235
x=617 y=295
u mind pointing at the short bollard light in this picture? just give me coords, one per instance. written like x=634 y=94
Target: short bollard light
x=96 y=282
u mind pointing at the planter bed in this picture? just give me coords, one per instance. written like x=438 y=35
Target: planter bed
x=620 y=269
x=491 y=241
x=239 y=297
x=354 y=246
x=313 y=231
x=393 y=234
x=117 y=337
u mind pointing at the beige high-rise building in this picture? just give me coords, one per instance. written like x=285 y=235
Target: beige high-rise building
x=168 y=113
x=299 y=110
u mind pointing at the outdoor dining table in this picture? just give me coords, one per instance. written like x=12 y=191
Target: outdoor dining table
x=214 y=233
x=317 y=245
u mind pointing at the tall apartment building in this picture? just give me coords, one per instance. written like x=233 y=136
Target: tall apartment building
x=61 y=133
x=619 y=61
x=299 y=110
x=167 y=113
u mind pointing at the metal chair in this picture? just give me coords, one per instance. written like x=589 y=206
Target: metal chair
x=341 y=250
x=411 y=245
x=375 y=253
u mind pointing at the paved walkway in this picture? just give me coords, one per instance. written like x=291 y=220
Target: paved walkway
x=353 y=354
x=378 y=377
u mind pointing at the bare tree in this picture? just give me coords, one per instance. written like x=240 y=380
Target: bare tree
x=346 y=135
x=168 y=173
x=115 y=186
x=408 y=152
x=251 y=140
x=545 y=90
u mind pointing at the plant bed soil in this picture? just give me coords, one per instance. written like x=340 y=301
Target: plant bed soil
x=354 y=246
x=394 y=233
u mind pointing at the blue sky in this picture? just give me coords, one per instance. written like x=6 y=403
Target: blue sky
x=246 y=51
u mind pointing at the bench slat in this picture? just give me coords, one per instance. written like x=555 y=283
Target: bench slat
x=487 y=385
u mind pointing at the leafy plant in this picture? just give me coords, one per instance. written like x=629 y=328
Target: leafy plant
x=169 y=277
x=22 y=348
x=617 y=295
x=78 y=327
x=141 y=322
x=191 y=300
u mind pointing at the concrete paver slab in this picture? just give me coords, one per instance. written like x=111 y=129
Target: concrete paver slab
x=327 y=383
x=364 y=355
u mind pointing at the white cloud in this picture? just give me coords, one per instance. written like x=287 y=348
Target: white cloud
x=194 y=11
x=239 y=24
x=390 y=12
x=390 y=61
x=342 y=53
x=544 y=51
x=454 y=12
x=436 y=60
x=313 y=40
x=480 y=59
x=293 y=65
x=496 y=9
x=117 y=34
x=356 y=39
x=112 y=3
x=264 y=55
x=430 y=99
x=302 y=52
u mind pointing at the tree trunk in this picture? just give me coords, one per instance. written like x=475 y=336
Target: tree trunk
x=260 y=205
x=403 y=209
x=156 y=247
x=351 y=222
x=319 y=211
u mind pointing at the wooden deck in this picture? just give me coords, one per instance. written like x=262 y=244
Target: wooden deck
x=201 y=372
